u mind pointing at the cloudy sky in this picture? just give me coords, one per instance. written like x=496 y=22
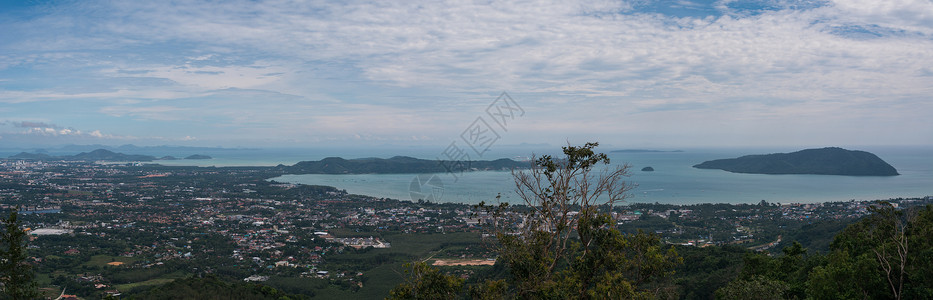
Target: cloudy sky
x=637 y=73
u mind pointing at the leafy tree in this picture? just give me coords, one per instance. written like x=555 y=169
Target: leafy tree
x=490 y=290
x=789 y=271
x=846 y=277
x=567 y=245
x=15 y=273
x=425 y=282
x=884 y=256
x=921 y=259
x=706 y=269
x=756 y=288
x=212 y=287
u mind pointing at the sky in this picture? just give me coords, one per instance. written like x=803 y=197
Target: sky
x=373 y=73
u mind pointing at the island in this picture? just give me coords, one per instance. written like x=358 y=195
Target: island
x=397 y=165
x=647 y=169
x=198 y=156
x=823 y=161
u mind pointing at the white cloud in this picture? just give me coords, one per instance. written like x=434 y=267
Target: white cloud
x=213 y=77
x=307 y=68
x=910 y=15
x=160 y=113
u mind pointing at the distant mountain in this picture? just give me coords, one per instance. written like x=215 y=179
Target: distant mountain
x=394 y=165
x=147 y=149
x=825 y=161
x=31 y=156
x=96 y=155
x=107 y=155
x=641 y=151
x=101 y=155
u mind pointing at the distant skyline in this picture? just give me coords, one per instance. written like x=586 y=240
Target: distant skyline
x=631 y=74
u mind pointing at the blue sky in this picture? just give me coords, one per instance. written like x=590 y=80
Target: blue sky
x=368 y=73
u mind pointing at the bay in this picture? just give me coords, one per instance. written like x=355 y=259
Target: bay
x=674 y=180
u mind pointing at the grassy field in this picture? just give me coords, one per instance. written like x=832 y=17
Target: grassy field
x=151 y=282
x=43 y=279
x=103 y=260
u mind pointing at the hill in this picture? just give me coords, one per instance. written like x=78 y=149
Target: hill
x=394 y=165
x=96 y=155
x=643 y=151
x=107 y=155
x=824 y=161
x=31 y=156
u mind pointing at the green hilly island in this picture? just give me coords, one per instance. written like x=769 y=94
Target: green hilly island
x=823 y=161
x=395 y=165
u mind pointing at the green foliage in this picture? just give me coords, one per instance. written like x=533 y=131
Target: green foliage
x=16 y=274
x=886 y=255
x=425 y=282
x=609 y=265
x=817 y=236
x=211 y=287
x=490 y=290
x=846 y=277
x=297 y=285
x=756 y=288
x=707 y=269
x=394 y=165
x=568 y=245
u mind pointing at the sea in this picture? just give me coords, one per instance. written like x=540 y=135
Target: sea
x=673 y=181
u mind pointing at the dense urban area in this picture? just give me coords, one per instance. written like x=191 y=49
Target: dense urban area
x=119 y=230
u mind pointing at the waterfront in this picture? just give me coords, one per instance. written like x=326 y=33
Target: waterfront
x=674 y=181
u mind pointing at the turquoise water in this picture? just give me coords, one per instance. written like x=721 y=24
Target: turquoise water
x=675 y=181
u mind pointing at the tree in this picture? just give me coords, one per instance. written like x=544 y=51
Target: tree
x=885 y=255
x=425 y=282
x=758 y=288
x=15 y=273
x=567 y=245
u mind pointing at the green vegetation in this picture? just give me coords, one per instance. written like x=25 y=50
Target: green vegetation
x=567 y=246
x=825 y=161
x=397 y=164
x=142 y=285
x=884 y=256
x=16 y=275
x=211 y=287
x=181 y=228
x=102 y=260
x=425 y=282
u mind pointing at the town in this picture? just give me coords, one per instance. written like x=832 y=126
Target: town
x=114 y=229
